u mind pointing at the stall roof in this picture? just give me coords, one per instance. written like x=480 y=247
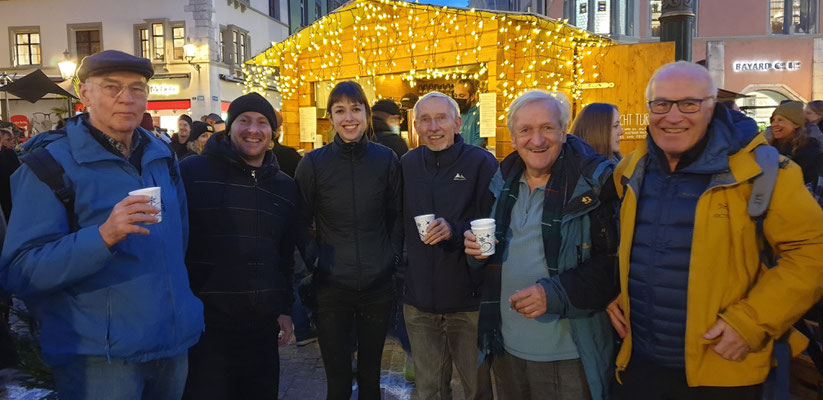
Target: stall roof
x=34 y=86
x=347 y=15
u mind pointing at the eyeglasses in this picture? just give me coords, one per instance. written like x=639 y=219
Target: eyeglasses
x=136 y=90
x=686 y=106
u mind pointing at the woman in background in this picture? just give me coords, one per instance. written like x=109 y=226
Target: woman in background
x=598 y=124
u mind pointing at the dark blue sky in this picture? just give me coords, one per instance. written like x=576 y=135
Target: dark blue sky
x=452 y=3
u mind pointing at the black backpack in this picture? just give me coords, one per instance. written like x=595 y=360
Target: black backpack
x=50 y=172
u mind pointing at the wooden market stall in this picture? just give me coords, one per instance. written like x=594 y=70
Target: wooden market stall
x=395 y=47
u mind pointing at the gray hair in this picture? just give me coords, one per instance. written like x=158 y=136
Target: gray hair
x=686 y=67
x=432 y=95
x=558 y=100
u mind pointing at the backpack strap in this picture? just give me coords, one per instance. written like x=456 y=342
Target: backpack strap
x=768 y=159
x=50 y=172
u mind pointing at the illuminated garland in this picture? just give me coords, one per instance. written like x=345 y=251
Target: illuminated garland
x=381 y=33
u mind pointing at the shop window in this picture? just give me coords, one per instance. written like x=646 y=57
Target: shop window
x=87 y=42
x=26 y=47
x=234 y=42
x=178 y=40
x=161 y=40
x=790 y=17
x=274 y=9
x=655 y=9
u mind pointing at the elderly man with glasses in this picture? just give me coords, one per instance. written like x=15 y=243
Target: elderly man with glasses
x=700 y=312
x=101 y=270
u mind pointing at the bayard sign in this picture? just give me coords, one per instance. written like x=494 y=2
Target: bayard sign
x=765 y=66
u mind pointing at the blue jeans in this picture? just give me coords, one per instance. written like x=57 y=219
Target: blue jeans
x=92 y=378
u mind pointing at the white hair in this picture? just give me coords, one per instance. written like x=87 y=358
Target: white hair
x=437 y=95
x=684 y=66
x=558 y=100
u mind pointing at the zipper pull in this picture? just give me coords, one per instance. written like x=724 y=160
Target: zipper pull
x=254 y=176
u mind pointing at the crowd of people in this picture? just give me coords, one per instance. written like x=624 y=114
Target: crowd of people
x=674 y=272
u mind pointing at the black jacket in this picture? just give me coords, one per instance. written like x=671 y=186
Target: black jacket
x=452 y=184
x=807 y=157
x=352 y=192
x=287 y=158
x=180 y=149
x=386 y=137
x=241 y=242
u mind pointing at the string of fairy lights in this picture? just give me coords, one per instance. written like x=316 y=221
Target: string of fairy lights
x=509 y=52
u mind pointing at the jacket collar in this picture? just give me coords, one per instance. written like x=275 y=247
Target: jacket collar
x=86 y=149
x=356 y=149
x=728 y=154
x=219 y=147
x=445 y=157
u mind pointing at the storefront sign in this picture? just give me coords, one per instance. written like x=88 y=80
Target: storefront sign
x=779 y=65
x=164 y=90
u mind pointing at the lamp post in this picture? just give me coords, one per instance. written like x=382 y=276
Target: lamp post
x=67 y=69
x=189 y=52
x=676 y=25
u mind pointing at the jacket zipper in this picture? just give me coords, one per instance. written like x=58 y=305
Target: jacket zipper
x=108 y=325
x=354 y=212
x=255 y=293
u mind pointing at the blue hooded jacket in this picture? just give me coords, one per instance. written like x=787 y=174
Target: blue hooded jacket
x=130 y=301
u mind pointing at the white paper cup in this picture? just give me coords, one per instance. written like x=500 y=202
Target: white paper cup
x=423 y=222
x=154 y=193
x=485 y=236
x=482 y=222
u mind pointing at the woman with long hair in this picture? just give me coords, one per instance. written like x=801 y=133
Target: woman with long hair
x=598 y=124
x=351 y=191
x=791 y=138
x=814 y=113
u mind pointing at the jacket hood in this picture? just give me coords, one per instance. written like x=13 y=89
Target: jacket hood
x=729 y=132
x=219 y=146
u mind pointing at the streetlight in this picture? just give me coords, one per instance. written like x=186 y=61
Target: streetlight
x=67 y=66
x=189 y=51
x=67 y=69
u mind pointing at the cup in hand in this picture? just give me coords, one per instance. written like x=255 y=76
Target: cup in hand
x=423 y=222
x=154 y=193
x=483 y=229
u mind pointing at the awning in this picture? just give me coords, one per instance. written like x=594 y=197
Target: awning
x=34 y=86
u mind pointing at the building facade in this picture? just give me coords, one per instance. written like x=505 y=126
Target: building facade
x=768 y=50
x=223 y=33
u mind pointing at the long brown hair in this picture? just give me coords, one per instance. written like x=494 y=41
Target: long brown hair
x=799 y=138
x=594 y=126
x=352 y=91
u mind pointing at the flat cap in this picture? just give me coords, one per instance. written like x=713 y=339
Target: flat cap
x=113 y=61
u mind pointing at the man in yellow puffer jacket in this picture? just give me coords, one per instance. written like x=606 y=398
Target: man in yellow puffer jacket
x=699 y=312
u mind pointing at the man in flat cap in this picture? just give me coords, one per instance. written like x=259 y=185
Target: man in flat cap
x=240 y=263
x=386 y=122
x=101 y=270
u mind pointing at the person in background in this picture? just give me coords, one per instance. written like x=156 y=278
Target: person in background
x=243 y=211
x=598 y=124
x=287 y=157
x=555 y=217
x=814 y=113
x=181 y=138
x=386 y=122
x=792 y=139
x=351 y=190
x=467 y=97
x=200 y=134
x=8 y=164
x=441 y=296
x=7 y=139
x=216 y=122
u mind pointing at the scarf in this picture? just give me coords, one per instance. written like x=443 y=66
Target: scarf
x=490 y=337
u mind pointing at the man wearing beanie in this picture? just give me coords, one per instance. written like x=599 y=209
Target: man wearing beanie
x=181 y=138
x=241 y=256
x=104 y=277
x=386 y=122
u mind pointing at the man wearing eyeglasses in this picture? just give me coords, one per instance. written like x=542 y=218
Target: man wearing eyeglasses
x=705 y=313
x=104 y=277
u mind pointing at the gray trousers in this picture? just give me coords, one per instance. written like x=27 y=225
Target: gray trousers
x=437 y=342
x=521 y=379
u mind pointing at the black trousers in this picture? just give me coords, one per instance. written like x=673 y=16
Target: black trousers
x=642 y=381
x=368 y=313
x=234 y=365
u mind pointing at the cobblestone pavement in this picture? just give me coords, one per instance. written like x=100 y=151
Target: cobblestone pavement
x=302 y=376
